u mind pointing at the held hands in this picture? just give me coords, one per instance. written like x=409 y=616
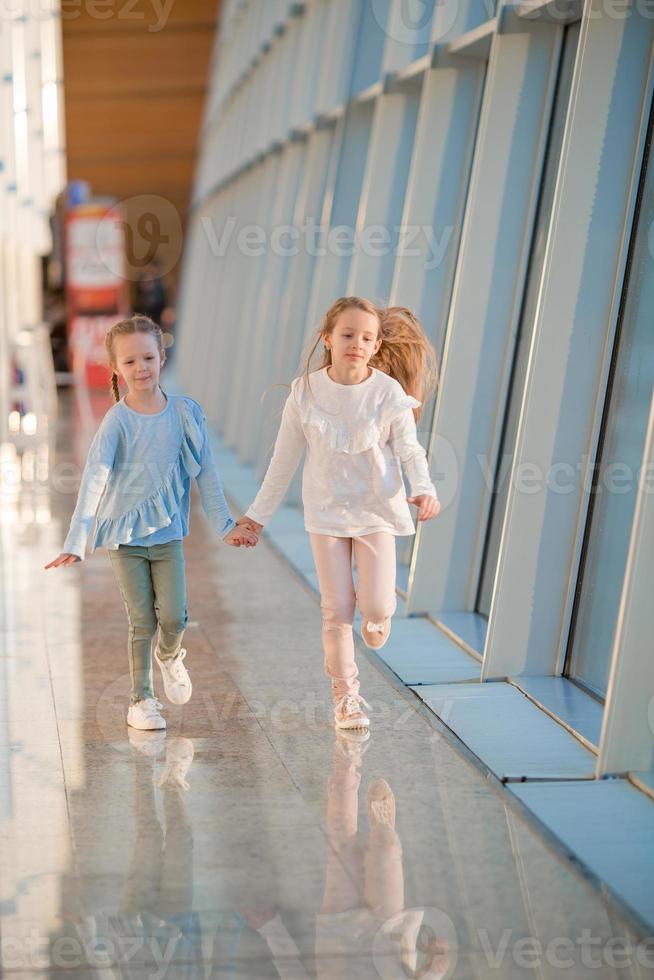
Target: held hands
x=64 y=559
x=241 y=536
x=428 y=506
x=246 y=532
x=255 y=527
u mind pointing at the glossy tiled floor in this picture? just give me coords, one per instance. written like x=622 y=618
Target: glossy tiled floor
x=249 y=841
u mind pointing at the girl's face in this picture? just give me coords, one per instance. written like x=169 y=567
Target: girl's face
x=354 y=339
x=138 y=360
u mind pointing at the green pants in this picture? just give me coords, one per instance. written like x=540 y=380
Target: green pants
x=152 y=582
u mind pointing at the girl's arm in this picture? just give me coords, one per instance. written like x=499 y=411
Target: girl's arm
x=412 y=455
x=289 y=447
x=211 y=490
x=99 y=464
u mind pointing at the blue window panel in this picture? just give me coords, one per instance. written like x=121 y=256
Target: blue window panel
x=508 y=732
x=609 y=825
x=419 y=653
x=565 y=699
x=371 y=43
x=623 y=437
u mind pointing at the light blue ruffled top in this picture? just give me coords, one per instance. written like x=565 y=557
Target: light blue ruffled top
x=136 y=485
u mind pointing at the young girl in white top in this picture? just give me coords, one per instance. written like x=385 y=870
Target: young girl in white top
x=356 y=417
x=136 y=490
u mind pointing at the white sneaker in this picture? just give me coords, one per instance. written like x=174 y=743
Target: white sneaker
x=352 y=744
x=179 y=756
x=348 y=713
x=353 y=736
x=148 y=743
x=145 y=716
x=177 y=683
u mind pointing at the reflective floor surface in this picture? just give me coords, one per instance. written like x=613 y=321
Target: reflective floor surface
x=250 y=840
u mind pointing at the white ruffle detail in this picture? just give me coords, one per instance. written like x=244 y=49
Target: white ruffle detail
x=158 y=509
x=351 y=434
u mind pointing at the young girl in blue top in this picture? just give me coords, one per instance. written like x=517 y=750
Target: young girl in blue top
x=136 y=487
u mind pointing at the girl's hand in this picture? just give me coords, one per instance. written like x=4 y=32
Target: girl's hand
x=427 y=505
x=254 y=526
x=241 y=536
x=64 y=559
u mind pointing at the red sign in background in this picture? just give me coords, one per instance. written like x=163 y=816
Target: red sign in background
x=97 y=292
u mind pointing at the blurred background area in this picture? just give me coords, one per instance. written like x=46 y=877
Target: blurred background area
x=97 y=174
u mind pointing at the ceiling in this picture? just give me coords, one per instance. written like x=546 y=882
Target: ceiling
x=134 y=88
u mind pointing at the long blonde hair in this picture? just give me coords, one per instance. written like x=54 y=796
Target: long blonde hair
x=405 y=354
x=139 y=323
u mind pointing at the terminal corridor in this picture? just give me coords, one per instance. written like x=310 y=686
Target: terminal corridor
x=250 y=839
x=430 y=224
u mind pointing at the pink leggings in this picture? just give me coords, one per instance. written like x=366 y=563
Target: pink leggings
x=374 y=557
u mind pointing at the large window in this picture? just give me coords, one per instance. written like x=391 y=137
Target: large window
x=618 y=469
x=507 y=449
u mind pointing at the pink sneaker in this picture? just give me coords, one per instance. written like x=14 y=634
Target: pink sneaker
x=381 y=804
x=374 y=635
x=348 y=713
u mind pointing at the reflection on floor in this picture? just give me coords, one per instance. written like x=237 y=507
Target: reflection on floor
x=250 y=840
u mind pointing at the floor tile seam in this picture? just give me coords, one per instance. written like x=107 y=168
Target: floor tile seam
x=59 y=747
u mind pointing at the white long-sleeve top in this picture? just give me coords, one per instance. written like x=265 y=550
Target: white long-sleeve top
x=357 y=438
